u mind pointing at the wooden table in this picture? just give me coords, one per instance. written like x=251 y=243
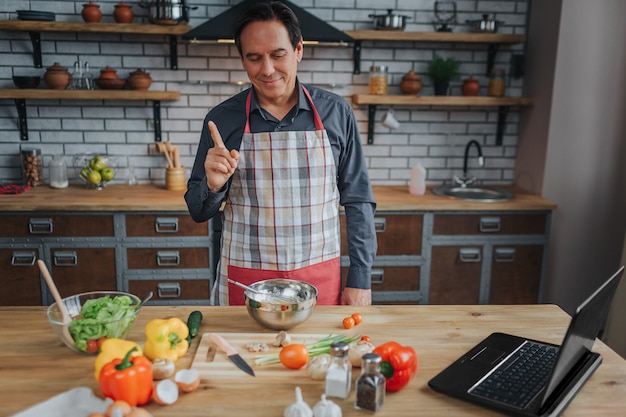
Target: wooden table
x=35 y=366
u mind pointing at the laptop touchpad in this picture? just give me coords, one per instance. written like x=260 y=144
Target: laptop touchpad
x=488 y=355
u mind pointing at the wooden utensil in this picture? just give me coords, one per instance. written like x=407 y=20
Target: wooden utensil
x=176 y=156
x=161 y=147
x=65 y=315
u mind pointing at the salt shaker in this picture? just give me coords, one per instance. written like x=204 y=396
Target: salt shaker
x=339 y=373
x=370 y=385
x=58 y=172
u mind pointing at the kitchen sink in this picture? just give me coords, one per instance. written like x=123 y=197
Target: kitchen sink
x=478 y=193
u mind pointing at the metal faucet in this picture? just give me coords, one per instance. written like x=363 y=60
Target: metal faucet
x=465 y=180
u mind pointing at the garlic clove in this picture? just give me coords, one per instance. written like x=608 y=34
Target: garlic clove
x=326 y=408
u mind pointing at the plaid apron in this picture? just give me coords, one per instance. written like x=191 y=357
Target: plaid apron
x=281 y=217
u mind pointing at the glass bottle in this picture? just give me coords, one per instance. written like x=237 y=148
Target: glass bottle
x=58 y=172
x=370 y=385
x=339 y=373
x=496 y=83
x=378 y=79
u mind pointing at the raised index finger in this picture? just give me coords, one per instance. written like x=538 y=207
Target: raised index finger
x=215 y=134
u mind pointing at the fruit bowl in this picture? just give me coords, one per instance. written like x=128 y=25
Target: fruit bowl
x=95 y=315
x=95 y=171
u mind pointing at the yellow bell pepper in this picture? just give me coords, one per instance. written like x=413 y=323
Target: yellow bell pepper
x=113 y=348
x=166 y=339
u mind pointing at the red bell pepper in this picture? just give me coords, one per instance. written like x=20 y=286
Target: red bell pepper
x=128 y=379
x=399 y=364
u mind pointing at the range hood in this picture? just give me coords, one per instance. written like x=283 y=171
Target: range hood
x=221 y=28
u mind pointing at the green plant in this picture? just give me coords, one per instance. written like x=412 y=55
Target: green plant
x=441 y=70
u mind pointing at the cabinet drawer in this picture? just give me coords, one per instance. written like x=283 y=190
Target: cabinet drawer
x=70 y=225
x=20 y=281
x=391 y=278
x=164 y=225
x=397 y=234
x=153 y=258
x=515 y=274
x=83 y=269
x=500 y=224
x=455 y=275
x=196 y=289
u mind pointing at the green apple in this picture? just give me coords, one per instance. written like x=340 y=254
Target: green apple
x=97 y=163
x=84 y=173
x=107 y=174
x=94 y=177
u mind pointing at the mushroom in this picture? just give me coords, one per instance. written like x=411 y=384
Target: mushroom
x=282 y=339
x=358 y=348
x=317 y=366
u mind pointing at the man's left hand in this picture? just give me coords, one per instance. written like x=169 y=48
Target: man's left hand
x=356 y=297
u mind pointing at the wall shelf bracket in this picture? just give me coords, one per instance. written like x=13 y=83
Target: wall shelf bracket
x=35 y=38
x=356 y=56
x=22 y=121
x=371 y=117
x=492 y=51
x=156 y=106
x=173 y=52
x=503 y=112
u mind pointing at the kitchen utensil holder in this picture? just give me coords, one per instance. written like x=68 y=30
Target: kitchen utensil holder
x=175 y=178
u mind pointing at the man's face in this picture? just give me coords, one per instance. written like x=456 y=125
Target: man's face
x=270 y=60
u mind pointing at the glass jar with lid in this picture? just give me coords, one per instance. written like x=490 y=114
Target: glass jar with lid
x=378 y=80
x=31 y=167
x=370 y=385
x=496 y=83
x=58 y=172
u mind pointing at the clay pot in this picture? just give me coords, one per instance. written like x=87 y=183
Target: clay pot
x=470 y=86
x=57 y=77
x=108 y=73
x=411 y=83
x=91 y=12
x=139 y=80
x=123 y=13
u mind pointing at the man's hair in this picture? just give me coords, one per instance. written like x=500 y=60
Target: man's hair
x=267 y=11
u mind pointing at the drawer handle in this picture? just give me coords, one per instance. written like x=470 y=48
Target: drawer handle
x=504 y=255
x=166 y=224
x=168 y=258
x=489 y=224
x=168 y=290
x=380 y=224
x=378 y=276
x=40 y=226
x=65 y=258
x=23 y=258
x=470 y=255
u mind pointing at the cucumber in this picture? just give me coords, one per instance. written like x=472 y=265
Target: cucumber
x=193 y=323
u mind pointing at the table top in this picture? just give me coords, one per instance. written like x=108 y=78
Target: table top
x=35 y=365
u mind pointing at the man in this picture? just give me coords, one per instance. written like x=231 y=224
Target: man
x=283 y=156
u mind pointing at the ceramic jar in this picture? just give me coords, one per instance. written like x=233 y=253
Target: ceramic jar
x=139 y=80
x=57 y=77
x=470 y=87
x=108 y=73
x=411 y=83
x=123 y=13
x=91 y=12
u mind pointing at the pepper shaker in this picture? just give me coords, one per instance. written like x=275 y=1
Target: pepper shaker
x=370 y=385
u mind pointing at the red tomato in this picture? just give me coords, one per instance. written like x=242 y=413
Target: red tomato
x=92 y=346
x=348 y=322
x=366 y=339
x=294 y=356
x=357 y=318
x=100 y=341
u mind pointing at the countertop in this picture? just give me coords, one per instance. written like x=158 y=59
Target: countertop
x=157 y=198
x=35 y=365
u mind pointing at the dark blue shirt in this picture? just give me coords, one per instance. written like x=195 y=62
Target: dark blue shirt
x=353 y=182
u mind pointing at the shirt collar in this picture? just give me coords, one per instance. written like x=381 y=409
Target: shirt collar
x=303 y=103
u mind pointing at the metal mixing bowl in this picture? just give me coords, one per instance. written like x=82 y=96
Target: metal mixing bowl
x=276 y=315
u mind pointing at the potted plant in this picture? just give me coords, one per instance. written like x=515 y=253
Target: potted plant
x=441 y=71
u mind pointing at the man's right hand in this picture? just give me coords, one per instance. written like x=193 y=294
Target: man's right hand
x=220 y=163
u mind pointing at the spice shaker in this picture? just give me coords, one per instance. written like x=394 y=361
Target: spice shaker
x=378 y=79
x=31 y=167
x=339 y=373
x=58 y=172
x=370 y=385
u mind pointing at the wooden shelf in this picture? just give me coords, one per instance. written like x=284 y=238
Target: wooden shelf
x=493 y=40
x=502 y=103
x=21 y=95
x=34 y=29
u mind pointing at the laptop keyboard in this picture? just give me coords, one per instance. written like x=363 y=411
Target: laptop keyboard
x=520 y=377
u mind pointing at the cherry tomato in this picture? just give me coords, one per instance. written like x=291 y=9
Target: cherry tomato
x=348 y=322
x=100 y=341
x=92 y=346
x=294 y=356
x=357 y=318
x=366 y=339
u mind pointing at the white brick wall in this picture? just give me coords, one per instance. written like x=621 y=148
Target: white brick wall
x=435 y=136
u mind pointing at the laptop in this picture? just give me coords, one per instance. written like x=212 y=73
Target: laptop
x=524 y=377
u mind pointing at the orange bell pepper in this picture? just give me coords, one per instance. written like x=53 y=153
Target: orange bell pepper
x=128 y=379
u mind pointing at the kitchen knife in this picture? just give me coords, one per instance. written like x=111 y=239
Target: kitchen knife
x=230 y=351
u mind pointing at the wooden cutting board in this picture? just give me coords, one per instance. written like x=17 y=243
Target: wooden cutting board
x=215 y=365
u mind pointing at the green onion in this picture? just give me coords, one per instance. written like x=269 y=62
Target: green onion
x=317 y=348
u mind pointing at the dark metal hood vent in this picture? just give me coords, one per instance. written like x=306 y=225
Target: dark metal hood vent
x=222 y=26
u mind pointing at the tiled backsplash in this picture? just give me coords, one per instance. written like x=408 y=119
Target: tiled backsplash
x=435 y=136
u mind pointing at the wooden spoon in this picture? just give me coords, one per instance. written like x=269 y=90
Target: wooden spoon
x=161 y=147
x=65 y=315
